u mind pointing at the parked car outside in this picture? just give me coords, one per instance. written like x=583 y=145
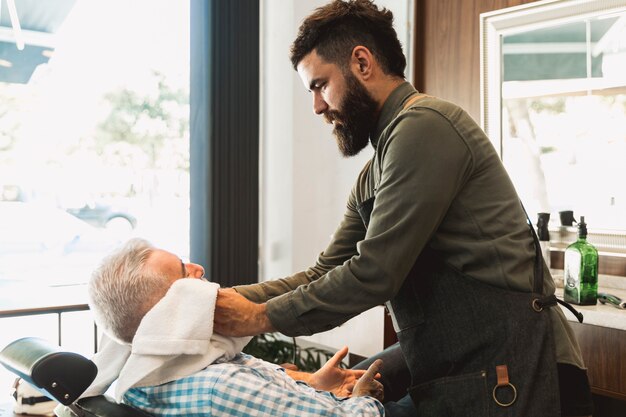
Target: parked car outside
x=44 y=244
x=105 y=215
x=97 y=213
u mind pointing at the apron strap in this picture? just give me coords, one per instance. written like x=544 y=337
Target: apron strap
x=415 y=97
x=548 y=301
x=538 y=279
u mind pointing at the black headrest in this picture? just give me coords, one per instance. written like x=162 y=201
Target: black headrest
x=61 y=375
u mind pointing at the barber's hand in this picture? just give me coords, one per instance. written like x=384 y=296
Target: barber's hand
x=235 y=315
x=335 y=379
x=367 y=385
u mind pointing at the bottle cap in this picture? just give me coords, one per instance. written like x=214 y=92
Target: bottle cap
x=582 y=227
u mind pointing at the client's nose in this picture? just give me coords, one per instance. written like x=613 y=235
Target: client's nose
x=194 y=270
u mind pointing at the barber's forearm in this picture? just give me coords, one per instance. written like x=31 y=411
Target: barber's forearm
x=253 y=292
x=264 y=325
x=235 y=315
x=264 y=291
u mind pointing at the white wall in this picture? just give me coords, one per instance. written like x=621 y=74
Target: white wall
x=304 y=180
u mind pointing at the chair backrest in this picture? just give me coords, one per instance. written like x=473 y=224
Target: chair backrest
x=63 y=376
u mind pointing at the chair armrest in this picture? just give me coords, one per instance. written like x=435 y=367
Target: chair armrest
x=61 y=375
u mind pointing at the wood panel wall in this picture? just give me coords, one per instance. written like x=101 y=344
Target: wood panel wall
x=447 y=58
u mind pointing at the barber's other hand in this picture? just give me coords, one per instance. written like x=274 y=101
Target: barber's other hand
x=367 y=385
x=335 y=379
x=235 y=315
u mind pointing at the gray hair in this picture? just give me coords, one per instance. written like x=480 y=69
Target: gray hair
x=122 y=290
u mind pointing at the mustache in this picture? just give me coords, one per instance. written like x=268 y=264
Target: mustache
x=331 y=115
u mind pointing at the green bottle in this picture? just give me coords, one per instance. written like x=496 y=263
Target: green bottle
x=581 y=270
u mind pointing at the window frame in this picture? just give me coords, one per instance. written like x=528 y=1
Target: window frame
x=493 y=27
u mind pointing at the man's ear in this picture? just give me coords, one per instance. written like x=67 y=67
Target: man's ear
x=362 y=62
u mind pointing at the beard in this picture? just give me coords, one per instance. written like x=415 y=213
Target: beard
x=355 y=119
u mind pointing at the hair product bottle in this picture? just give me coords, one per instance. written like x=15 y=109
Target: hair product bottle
x=581 y=270
x=544 y=236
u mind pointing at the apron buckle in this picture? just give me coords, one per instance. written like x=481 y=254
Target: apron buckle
x=539 y=303
x=503 y=382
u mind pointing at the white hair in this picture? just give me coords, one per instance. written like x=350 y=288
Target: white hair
x=122 y=290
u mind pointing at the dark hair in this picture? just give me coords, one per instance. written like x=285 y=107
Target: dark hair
x=335 y=29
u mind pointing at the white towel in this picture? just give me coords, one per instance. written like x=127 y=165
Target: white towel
x=175 y=339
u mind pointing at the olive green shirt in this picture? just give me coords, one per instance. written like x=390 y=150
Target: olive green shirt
x=438 y=182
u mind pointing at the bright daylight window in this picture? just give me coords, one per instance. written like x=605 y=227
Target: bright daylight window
x=564 y=118
x=94 y=133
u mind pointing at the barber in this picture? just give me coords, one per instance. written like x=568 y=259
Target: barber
x=433 y=228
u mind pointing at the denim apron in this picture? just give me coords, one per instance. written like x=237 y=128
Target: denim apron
x=474 y=350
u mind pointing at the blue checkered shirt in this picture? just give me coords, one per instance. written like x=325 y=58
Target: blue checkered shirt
x=246 y=386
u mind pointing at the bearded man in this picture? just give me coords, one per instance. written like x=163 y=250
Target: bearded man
x=434 y=229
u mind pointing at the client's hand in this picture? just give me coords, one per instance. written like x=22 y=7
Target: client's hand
x=289 y=366
x=235 y=315
x=367 y=385
x=335 y=379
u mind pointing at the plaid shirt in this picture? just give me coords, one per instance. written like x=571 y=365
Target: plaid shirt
x=245 y=386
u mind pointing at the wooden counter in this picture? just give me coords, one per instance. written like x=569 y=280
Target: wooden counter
x=602 y=339
x=604 y=352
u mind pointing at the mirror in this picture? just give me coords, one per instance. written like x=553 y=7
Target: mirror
x=554 y=104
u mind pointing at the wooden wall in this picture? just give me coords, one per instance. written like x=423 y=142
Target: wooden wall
x=447 y=58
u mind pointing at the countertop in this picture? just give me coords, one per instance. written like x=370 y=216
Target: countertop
x=604 y=315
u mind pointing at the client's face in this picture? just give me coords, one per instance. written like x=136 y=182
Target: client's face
x=172 y=266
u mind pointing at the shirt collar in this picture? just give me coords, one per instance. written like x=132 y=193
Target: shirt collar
x=391 y=108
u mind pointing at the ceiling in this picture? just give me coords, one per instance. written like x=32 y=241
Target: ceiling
x=39 y=20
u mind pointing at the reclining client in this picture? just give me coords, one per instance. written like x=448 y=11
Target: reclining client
x=160 y=348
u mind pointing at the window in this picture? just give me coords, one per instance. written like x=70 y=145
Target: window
x=94 y=148
x=94 y=134
x=564 y=112
x=554 y=102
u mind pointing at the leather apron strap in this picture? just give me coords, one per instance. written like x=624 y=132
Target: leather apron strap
x=414 y=98
x=540 y=302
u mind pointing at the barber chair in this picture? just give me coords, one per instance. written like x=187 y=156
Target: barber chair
x=63 y=376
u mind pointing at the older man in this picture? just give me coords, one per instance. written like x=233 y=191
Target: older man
x=150 y=303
